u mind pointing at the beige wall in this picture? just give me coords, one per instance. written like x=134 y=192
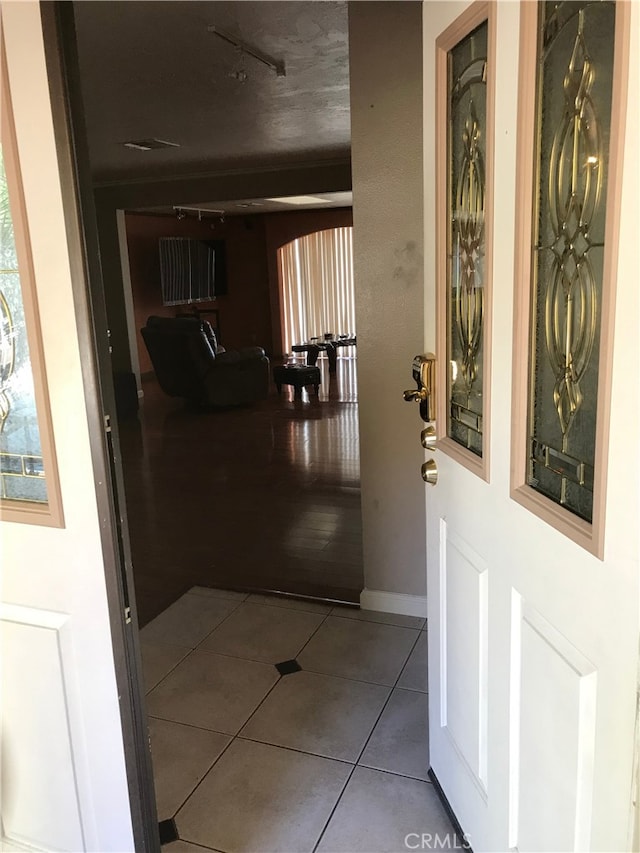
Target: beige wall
x=386 y=139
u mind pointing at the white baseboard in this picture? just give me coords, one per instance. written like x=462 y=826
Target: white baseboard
x=394 y=602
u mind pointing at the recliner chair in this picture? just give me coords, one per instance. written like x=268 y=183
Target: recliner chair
x=189 y=364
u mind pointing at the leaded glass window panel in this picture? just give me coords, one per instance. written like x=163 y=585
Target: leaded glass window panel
x=22 y=475
x=466 y=191
x=574 y=89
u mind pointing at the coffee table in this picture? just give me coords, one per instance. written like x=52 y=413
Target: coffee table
x=297 y=375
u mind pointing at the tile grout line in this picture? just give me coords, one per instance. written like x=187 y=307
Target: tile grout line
x=366 y=743
x=191 y=649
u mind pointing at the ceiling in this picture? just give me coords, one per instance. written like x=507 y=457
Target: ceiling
x=152 y=69
x=244 y=207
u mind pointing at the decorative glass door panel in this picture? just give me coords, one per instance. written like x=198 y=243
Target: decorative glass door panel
x=466 y=236
x=574 y=88
x=29 y=483
x=21 y=462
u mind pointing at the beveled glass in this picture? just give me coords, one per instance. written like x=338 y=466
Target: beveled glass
x=22 y=475
x=574 y=89
x=466 y=191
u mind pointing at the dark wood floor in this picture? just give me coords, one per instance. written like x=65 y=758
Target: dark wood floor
x=265 y=497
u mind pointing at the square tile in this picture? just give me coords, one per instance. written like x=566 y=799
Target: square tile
x=319 y=714
x=212 y=691
x=188 y=621
x=400 y=740
x=157 y=661
x=365 y=651
x=379 y=810
x=415 y=675
x=181 y=756
x=379 y=616
x=262 y=799
x=228 y=594
x=269 y=634
x=290 y=603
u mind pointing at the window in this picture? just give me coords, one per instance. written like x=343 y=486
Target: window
x=316 y=286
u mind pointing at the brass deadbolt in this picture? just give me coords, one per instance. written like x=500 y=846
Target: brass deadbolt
x=428 y=437
x=429 y=472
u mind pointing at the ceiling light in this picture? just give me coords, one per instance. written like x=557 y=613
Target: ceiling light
x=200 y=212
x=300 y=199
x=241 y=75
x=151 y=144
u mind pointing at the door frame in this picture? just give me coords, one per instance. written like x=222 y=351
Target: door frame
x=88 y=294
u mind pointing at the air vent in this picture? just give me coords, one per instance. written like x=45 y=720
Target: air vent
x=150 y=144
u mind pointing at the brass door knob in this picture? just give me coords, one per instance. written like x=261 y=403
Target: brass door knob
x=415 y=395
x=428 y=437
x=429 y=472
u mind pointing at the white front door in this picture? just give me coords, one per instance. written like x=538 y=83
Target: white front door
x=533 y=640
x=64 y=781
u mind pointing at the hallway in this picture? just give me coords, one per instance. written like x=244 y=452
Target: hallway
x=330 y=755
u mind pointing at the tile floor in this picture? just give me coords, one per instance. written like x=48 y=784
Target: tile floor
x=331 y=757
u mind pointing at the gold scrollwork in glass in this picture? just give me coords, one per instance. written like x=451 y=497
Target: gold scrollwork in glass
x=466 y=191
x=468 y=228
x=574 y=193
x=573 y=117
x=7 y=357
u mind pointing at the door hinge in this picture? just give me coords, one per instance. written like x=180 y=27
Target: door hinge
x=107 y=423
x=127 y=615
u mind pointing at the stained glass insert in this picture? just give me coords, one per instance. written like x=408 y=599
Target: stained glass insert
x=22 y=476
x=574 y=86
x=466 y=158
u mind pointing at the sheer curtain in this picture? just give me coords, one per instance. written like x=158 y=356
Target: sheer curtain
x=316 y=285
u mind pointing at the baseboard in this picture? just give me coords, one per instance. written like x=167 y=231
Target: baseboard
x=393 y=602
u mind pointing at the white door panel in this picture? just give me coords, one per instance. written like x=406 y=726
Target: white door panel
x=532 y=640
x=64 y=783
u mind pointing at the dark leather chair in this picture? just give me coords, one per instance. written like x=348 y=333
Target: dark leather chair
x=189 y=364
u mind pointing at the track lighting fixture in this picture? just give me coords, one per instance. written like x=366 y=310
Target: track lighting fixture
x=246 y=49
x=200 y=212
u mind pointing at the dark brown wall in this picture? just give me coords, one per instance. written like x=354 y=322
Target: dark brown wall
x=281 y=228
x=250 y=313
x=244 y=312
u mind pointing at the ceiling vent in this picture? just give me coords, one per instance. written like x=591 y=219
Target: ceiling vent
x=151 y=144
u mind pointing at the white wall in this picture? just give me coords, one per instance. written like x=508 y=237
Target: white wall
x=385 y=46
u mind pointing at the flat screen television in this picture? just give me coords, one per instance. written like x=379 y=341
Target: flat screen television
x=192 y=270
